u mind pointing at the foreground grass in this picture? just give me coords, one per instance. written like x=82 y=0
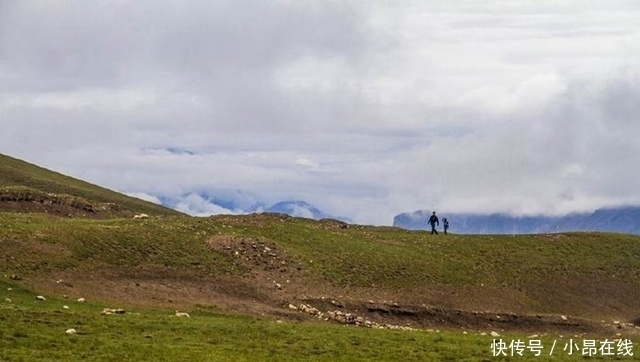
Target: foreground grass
x=32 y=330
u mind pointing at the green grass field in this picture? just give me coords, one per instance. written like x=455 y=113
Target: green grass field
x=356 y=256
x=33 y=330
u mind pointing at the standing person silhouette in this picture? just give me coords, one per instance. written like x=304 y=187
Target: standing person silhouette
x=433 y=221
x=445 y=225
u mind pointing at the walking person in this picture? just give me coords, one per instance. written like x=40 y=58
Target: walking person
x=445 y=225
x=433 y=221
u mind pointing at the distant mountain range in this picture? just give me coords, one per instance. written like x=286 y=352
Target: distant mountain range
x=619 y=219
x=303 y=209
x=297 y=209
x=205 y=203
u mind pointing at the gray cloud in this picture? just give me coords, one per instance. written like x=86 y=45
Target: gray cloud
x=362 y=109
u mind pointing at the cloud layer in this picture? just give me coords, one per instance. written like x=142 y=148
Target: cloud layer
x=364 y=109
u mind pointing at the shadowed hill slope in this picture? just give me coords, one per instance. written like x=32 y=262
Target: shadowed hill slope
x=25 y=187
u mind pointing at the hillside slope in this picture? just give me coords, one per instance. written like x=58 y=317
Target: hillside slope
x=25 y=187
x=260 y=263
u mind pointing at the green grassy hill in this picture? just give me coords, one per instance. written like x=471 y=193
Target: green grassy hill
x=25 y=187
x=237 y=275
x=271 y=260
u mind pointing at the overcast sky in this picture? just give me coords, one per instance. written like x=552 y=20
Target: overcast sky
x=364 y=109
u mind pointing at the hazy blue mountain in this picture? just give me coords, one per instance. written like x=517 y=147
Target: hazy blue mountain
x=297 y=209
x=303 y=209
x=218 y=200
x=621 y=219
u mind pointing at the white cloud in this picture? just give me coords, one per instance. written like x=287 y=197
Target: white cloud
x=195 y=205
x=146 y=197
x=512 y=106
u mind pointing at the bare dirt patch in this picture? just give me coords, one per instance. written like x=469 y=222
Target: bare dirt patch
x=257 y=295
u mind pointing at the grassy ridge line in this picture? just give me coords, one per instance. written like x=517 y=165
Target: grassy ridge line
x=359 y=254
x=15 y=172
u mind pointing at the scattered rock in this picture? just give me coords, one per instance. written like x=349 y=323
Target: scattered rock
x=7 y=300
x=71 y=331
x=182 y=314
x=564 y=317
x=110 y=311
x=494 y=334
x=65 y=307
x=348 y=318
x=40 y=297
x=81 y=300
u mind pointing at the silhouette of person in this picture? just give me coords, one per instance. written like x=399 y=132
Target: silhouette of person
x=433 y=221
x=445 y=224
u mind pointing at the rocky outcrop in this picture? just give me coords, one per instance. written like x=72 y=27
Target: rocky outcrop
x=346 y=318
x=51 y=202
